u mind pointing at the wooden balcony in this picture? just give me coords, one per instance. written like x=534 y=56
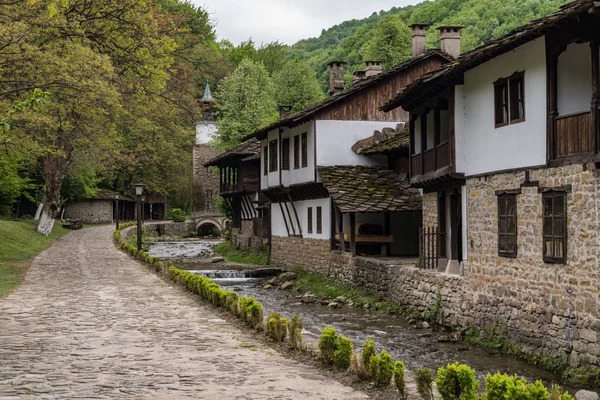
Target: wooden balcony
x=574 y=135
x=231 y=189
x=431 y=160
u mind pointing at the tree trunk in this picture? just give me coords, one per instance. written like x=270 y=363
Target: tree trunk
x=54 y=169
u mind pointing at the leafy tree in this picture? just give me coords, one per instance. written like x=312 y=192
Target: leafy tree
x=296 y=85
x=272 y=55
x=391 y=42
x=246 y=103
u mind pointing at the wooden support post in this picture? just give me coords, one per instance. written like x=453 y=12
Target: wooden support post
x=423 y=141
x=552 y=89
x=332 y=225
x=353 y=233
x=594 y=44
x=387 y=232
x=295 y=214
x=341 y=230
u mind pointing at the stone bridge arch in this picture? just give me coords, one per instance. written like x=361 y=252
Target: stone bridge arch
x=219 y=222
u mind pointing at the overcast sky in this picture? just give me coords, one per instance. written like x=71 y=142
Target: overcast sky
x=287 y=20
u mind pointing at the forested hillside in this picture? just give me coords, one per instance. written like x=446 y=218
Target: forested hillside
x=483 y=20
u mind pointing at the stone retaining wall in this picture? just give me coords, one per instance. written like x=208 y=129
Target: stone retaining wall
x=91 y=211
x=291 y=252
x=245 y=238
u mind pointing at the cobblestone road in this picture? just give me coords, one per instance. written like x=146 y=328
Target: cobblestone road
x=90 y=322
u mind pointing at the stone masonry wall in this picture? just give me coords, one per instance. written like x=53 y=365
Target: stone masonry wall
x=550 y=309
x=91 y=211
x=245 y=238
x=311 y=254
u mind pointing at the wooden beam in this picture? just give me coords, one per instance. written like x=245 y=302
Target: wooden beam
x=423 y=140
x=295 y=213
x=341 y=230
x=287 y=228
x=452 y=126
x=552 y=94
x=595 y=50
x=353 y=233
x=332 y=225
x=387 y=231
x=290 y=218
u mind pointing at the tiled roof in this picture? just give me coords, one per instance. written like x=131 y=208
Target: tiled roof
x=430 y=84
x=369 y=189
x=398 y=141
x=304 y=115
x=247 y=150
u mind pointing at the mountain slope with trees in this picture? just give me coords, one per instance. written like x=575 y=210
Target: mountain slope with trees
x=353 y=41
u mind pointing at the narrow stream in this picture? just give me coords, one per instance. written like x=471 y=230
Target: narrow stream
x=418 y=348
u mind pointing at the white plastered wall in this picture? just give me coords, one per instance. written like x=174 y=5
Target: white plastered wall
x=335 y=140
x=482 y=148
x=278 y=224
x=575 y=79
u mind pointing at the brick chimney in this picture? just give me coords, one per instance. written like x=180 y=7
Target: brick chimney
x=419 y=39
x=284 y=112
x=336 y=77
x=373 y=68
x=358 y=76
x=450 y=40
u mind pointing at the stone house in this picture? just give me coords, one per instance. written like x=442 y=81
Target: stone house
x=308 y=167
x=239 y=186
x=504 y=144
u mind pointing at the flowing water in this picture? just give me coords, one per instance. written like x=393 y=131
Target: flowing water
x=418 y=348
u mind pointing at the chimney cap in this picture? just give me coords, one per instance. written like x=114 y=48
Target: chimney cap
x=449 y=27
x=423 y=26
x=285 y=108
x=336 y=62
x=359 y=73
x=375 y=62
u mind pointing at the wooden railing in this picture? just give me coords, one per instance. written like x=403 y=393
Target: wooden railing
x=234 y=188
x=429 y=246
x=574 y=134
x=416 y=165
x=431 y=160
x=442 y=155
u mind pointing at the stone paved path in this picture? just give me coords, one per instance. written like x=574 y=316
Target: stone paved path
x=90 y=322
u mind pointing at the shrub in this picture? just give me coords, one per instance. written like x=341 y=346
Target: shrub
x=374 y=367
x=368 y=350
x=328 y=344
x=556 y=393
x=505 y=387
x=457 y=382
x=399 y=370
x=343 y=353
x=177 y=215
x=381 y=368
x=295 y=332
x=254 y=313
x=277 y=327
x=424 y=381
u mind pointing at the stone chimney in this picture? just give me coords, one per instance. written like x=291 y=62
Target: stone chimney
x=284 y=112
x=419 y=36
x=450 y=40
x=358 y=76
x=336 y=77
x=373 y=68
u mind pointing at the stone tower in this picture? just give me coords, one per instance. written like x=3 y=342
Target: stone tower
x=205 y=181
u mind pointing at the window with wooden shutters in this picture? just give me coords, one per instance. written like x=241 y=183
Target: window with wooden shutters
x=555 y=226
x=517 y=98
x=285 y=154
x=319 y=219
x=304 y=150
x=501 y=102
x=297 y=152
x=266 y=161
x=509 y=100
x=273 y=155
x=507 y=225
x=310 y=220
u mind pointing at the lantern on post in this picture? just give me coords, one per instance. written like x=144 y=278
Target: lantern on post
x=117 y=197
x=139 y=190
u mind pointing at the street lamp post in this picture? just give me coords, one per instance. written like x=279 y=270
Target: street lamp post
x=139 y=189
x=117 y=210
x=143 y=208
